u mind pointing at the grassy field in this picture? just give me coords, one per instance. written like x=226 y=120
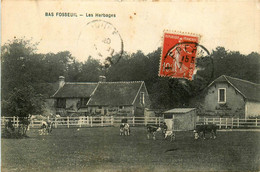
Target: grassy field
x=103 y=149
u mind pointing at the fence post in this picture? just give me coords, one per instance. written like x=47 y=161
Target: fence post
x=232 y=123
x=204 y=120
x=3 y=120
x=213 y=120
x=32 y=124
x=68 y=121
x=220 y=122
x=102 y=122
x=87 y=120
x=173 y=126
x=91 y=121
x=55 y=122
x=112 y=121
x=238 y=122
x=256 y=122
x=156 y=122
x=13 y=120
x=145 y=120
x=159 y=121
x=80 y=121
x=226 y=123
x=17 y=121
x=84 y=120
x=133 y=120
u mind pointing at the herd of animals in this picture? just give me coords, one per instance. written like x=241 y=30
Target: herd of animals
x=124 y=129
x=199 y=132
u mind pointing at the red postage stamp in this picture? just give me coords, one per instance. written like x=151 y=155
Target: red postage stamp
x=178 y=55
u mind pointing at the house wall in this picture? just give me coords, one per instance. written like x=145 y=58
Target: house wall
x=252 y=109
x=49 y=109
x=138 y=106
x=111 y=110
x=71 y=103
x=71 y=107
x=234 y=106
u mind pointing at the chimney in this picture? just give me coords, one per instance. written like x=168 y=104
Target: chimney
x=102 y=79
x=61 y=81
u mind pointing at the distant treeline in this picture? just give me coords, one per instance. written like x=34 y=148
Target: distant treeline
x=26 y=74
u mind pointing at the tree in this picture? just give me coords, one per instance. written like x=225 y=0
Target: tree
x=22 y=102
x=20 y=69
x=90 y=71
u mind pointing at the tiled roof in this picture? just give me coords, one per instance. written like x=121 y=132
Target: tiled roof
x=248 y=90
x=180 y=110
x=75 y=90
x=115 y=93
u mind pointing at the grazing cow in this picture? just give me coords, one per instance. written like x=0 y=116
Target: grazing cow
x=121 y=129
x=201 y=130
x=124 y=129
x=50 y=126
x=46 y=128
x=170 y=134
x=43 y=129
x=164 y=128
x=152 y=129
x=127 y=129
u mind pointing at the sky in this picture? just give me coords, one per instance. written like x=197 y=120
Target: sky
x=138 y=25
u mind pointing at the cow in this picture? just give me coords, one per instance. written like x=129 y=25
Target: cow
x=43 y=129
x=170 y=134
x=124 y=129
x=46 y=128
x=50 y=126
x=152 y=129
x=121 y=129
x=201 y=130
x=127 y=129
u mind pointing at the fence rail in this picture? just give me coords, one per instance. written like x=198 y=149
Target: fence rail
x=230 y=122
x=87 y=121
x=102 y=121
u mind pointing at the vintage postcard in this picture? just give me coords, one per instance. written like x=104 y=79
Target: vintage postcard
x=130 y=85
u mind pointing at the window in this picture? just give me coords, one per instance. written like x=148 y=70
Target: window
x=83 y=102
x=222 y=95
x=142 y=97
x=61 y=103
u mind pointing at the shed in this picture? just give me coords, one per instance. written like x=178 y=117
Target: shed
x=180 y=119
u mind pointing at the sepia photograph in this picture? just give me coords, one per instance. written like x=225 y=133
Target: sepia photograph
x=130 y=86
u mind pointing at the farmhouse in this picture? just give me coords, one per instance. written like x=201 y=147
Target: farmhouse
x=125 y=98
x=232 y=97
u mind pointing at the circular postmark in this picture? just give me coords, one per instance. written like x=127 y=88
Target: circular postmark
x=184 y=53
x=101 y=41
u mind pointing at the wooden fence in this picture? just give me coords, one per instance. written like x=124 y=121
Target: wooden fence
x=87 y=121
x=230 y=122
x=102 y=121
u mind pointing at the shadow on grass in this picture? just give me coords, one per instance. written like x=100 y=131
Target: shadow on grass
x=171 y=150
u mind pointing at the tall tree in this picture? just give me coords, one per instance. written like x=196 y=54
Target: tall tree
x=19 y=98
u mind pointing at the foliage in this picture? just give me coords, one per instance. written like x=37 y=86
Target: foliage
x=26 y=75
x=10 y=131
